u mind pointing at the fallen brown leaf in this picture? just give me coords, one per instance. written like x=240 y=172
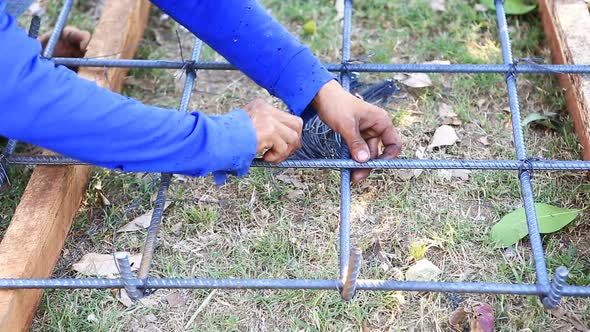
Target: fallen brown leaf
x=448 y=117
x=414 y=80
x=103 y=265
x=457 y=318
x=484 y=140
x=175 y=299
x=141 y=222
x=443 y=136
x=437 y=5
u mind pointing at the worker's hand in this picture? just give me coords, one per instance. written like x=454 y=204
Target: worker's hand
x=364 y=127
x=72 y=42
x=278 y=133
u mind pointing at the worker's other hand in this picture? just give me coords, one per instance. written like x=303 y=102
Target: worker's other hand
x=364 y=127
x=278 y=133
x=72 y=43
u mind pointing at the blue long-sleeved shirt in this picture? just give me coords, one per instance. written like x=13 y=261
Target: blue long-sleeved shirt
x=52 y=107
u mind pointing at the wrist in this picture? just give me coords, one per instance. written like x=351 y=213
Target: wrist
x=326 y=94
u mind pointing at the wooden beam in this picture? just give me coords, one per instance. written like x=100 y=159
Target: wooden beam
x=567 y=26
x=35 y=237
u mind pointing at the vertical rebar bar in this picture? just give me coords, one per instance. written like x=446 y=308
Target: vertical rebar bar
x=352 y=272
x=524 y=176
x=11 y=144
x=345 y=173
x=153 y=229
x=58 y=28
x=127 y=276
x=556 y=289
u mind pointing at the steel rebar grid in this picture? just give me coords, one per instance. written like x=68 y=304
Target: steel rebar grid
x=524 y=68
x=160 y=202
x=519 y=143
x=550 y=292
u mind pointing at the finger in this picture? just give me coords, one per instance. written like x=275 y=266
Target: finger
x=290 y=120
x=391 y=141
x=361 y=174
x=278 y=152
x=357 y=145
x=290 y=136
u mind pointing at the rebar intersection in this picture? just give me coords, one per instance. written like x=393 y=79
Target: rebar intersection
x=549 y=291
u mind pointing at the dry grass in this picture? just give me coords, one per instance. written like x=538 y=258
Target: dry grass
x=270 y=225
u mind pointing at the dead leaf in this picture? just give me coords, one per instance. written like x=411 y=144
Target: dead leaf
x=379 y=254
x=458 y=317
x=480 y=7
x=414 y=80
x=437 y=5
x=176 y=227
x=448 y=174
x=571 y=318
x=423 y=270
x=481 y=102
x=290 y=179
x=448 y=117
x=483 y=319
x=180 y=178
x=141 y=222
x=175 y=299
x=295 y=194
x=124 y=298
x=102 y=265
x=150 y=318
x=443 y=136
x=421 y=152
x=408 y=174
x=484 y=140
x=339 y=9
x=105 y=201
x=364 y=325
x=438 y=62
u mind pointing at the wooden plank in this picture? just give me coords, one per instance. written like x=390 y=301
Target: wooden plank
x=567 y=26
x=35 y=237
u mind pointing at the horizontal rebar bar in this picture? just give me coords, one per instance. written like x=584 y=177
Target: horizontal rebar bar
x=338 y=67
x=362 y=284
x=541 y=165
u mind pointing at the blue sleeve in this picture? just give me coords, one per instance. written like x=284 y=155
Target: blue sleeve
x=52 y=107
x=247 y=36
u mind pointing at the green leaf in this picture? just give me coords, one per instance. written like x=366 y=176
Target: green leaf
x=512 y=7
x=534 y=117
x=513 y=227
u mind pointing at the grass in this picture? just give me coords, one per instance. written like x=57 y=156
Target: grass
x=270 y=225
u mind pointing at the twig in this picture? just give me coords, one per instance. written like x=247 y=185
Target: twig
x=199 y=309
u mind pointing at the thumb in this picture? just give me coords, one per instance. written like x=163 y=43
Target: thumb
x=359 y=150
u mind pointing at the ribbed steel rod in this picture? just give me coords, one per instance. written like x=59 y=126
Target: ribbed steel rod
x=338 y=67
x=541 y=165
x=362 y=284
x=156 y=220
x=525 y=180
x=345 y=197
x=58 y=28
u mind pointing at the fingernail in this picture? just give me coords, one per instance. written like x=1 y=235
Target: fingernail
x=362 y=156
